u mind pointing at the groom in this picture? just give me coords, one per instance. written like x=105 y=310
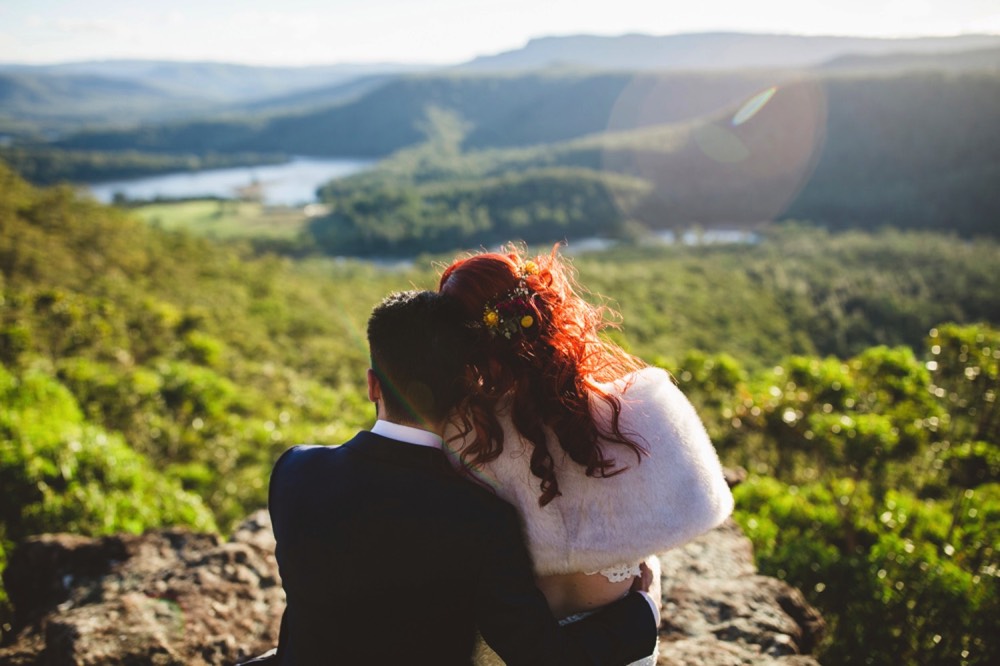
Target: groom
x=388 y=556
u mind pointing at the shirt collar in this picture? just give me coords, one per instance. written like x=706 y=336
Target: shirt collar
x=407 y=434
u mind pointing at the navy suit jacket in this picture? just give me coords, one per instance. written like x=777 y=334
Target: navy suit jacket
x=388 y=556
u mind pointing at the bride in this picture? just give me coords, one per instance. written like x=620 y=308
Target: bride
x=603 y=456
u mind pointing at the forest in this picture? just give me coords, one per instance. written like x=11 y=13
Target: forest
x=152 y=377
x=470 y=157
x=48 y=166
x=912 y=151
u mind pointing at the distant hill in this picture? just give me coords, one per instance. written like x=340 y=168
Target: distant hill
x=69 y=96
x=866 y=141
x=914 y=151
x=217 y=81
x=893 y=63
x=709 y=51
x=33 y=105
x=499 y=110
x=81 y=96
x=316 y=98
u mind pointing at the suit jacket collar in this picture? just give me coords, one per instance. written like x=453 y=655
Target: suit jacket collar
x=393 y=451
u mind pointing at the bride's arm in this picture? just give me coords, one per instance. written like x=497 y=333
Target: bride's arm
x=573 y=593
x=568 y=594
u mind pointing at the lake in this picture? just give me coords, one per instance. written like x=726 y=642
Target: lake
x=293 y=183
x=690 y=238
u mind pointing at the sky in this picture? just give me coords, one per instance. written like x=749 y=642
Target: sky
x=303 y=32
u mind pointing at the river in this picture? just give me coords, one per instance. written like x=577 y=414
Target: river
x=293 y=183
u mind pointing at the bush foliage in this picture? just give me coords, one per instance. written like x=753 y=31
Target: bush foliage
x=869 y=494
x=150 y=377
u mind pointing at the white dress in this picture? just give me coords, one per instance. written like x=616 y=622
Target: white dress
x=674 y=494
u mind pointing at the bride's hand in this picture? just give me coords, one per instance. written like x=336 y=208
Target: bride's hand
x=648 y=579
x=644 y=580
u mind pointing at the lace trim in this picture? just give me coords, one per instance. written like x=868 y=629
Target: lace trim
x=618 y=572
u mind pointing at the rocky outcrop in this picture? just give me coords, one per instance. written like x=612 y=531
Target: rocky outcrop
x=166 y=597
x=718 y=611
x=176 y=597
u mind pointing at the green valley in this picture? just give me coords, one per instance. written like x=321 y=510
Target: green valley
x=156 y=357
x=152 y=377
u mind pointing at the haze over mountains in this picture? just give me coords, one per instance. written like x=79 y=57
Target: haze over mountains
x=122 y=91
x=658 y=132
x=711 y=51
x=981 y=60
x=222 y=81
x=69 y=96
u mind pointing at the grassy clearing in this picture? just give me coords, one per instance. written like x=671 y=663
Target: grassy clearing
x=225 y=219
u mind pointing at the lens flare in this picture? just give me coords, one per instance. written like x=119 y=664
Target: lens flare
x=753 y=105
x=720 y=144
x=724 y=152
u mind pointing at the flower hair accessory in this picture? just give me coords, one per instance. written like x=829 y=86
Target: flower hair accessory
x=513 y=312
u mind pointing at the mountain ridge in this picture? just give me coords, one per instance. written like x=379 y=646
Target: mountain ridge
x=709 y=50
x=892 y=63
x=164 y=90
x=69 y=96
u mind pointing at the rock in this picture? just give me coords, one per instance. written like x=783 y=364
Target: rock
x=165 y=597
x=176 y=597
x=734 y=476
x=717 y=610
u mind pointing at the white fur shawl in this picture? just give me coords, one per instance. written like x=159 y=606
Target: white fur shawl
x=676 y=493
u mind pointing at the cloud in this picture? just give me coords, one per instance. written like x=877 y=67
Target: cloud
x=291 y=25
x=81 y=26
x=174 y=18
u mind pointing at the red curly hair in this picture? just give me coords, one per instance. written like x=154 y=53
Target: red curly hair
x=548 y=370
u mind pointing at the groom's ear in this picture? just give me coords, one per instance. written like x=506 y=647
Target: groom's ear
x=374 y=386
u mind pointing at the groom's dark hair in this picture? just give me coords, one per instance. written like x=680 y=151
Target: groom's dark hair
x=418 y=344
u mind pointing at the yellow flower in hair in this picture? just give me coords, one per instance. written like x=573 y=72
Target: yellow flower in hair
x=527 y=321
x=491 y=318
x=530 y=268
